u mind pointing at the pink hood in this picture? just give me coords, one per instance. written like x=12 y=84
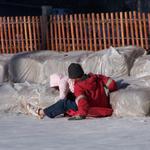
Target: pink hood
x=55 y=79
x=63 y=83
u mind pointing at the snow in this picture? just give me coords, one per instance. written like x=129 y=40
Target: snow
x=19 y=132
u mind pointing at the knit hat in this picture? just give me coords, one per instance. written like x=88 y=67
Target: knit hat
x=54 y=79
x=75 y=71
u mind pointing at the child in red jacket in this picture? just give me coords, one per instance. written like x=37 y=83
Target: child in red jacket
x=91 y=92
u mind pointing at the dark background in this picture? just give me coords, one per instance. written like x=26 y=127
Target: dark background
x=39 y=7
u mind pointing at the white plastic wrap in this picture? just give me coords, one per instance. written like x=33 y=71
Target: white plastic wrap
x=60 y=65
x=131 y=102
x=141 y=67
x=36 y=67
x=107 y=62
x=26 y=69
x=113 y=64
x=131 y=53
x=29 y=66
x=136 y=83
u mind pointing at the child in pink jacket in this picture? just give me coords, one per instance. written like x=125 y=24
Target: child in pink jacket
x=65 y=101
x=63 y=83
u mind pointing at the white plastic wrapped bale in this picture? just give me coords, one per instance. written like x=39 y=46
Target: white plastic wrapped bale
x=26 y=69
x=141 y=67
x=8 y=99
x=29 y=66
x=131 y=102
x=131 y=53
x=80 y=54
x=136 y=83
x=4 y=61
x=108 y=62
x=60 y=65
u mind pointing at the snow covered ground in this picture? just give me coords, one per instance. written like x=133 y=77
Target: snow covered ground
x=19 y=132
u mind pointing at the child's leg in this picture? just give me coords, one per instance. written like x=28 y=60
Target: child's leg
x=55 y=109
x=70 y=104
x=59 y=107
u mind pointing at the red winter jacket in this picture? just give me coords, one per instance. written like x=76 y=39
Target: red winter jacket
x=91 y=96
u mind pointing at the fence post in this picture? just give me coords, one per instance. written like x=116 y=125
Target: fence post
x=43 y=24
x=148 y=30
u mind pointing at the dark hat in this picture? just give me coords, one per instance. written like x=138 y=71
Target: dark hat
x=75 y=71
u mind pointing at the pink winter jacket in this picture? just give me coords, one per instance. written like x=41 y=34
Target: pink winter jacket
x=63 y=82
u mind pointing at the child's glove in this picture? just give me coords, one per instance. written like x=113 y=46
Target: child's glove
x=77 y=118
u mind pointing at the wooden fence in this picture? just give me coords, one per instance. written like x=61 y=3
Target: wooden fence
x=74 y=32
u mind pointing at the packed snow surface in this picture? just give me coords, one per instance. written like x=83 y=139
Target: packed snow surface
x=28 y=133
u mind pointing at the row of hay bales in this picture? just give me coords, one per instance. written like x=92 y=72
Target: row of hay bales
x=26 y=76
